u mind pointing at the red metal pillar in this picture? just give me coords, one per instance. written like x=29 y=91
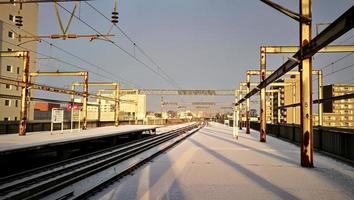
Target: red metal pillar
x=305 y=68
x=24 y=94
x=263 y=120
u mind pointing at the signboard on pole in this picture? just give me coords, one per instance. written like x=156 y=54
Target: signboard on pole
x=57 y=118
x=70 y=107
x=75 y=114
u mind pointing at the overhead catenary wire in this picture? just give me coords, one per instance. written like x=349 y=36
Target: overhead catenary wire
x=338 y=60
x=135 y=45
x=57 y=59
x=127 y=82
x=338 y=70
x=118 y=46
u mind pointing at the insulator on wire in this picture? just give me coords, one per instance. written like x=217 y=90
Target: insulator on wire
x=18 y=20
x=114 y=17
x=115 y=14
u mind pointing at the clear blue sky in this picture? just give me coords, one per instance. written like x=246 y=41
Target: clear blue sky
x=202 y=44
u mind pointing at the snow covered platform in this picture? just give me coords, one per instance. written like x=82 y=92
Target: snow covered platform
x=36 y=140
x=42 y=148
x=211 y=165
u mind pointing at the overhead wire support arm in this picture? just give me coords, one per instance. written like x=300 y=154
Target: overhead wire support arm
x=336 y=29
x=287 y=12
x=38 y=1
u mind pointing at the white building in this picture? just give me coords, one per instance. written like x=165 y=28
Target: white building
x=128 y=108
x=12 y=67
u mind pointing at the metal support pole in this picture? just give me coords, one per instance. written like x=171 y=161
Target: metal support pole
x=279 y=104
x=305 y=68
x=136 y=106
x=293 y=100
x=161 y=105
x=116 y=113
x=234 y=128
x=263 y=120
x=320 y=96
x=248 y=80
x=99 y=109
x=272 y=107
x=72 y=110
x=84 y=103
x=240 y=112
x=79 y=121
x=24 y=94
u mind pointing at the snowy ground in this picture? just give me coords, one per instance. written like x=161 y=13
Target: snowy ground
x=210 y=165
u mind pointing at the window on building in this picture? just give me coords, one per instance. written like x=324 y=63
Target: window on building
x=11 y=35
x=11 y=18
x=8 y=86
x=16 y=88
x=15 y=118
x=6 y=118
x=7 y=102
x=18 y=70
x=9 y=49
x=9 y=68
x=16 y=103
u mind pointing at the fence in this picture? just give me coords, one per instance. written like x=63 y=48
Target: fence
x=337 y=142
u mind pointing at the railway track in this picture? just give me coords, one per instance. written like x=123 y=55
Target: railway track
x=41 y=182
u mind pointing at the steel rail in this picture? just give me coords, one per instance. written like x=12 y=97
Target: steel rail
x=51 y=179
x=89 y=192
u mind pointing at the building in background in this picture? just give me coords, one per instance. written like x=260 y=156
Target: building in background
x=43 y=110
x=12 y=67
x=129 y=110
x=132 y=110
x=269 y=109
x=292 y=96
x=337 y=113
x=279 y=114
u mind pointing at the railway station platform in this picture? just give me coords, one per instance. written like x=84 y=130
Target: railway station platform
x=41 y=148
x=211 y=165
x=36 y=140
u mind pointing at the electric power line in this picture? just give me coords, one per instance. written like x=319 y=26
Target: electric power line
x=115 y=44
x=339 y=70
x=135 y=45
x=77 y=57
x=57 y=59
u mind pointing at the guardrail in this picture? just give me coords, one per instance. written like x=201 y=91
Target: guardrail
x=337 y=142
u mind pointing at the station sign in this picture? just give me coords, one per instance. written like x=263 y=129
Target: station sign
x=57 y=115
x=73 y=106
x=57 y=118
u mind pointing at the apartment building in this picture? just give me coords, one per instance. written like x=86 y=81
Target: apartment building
x=279 y=114
x=12 y=67
x=127 y=107
x=338 y=113
x=292 y=95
